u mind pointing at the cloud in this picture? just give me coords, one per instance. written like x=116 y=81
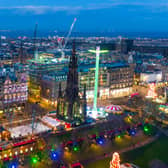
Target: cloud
x=39 y=9
x=73 y=9
x=44 y=9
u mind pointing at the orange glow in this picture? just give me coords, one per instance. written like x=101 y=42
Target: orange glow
x=115 y=163
x=152 y=91
x=101 y=80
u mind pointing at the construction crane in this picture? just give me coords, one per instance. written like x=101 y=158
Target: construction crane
x=35 y=40
x=60 y=41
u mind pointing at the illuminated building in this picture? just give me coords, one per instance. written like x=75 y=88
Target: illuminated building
x=115 y=80
x=50 y=85
x=120 y=80
x=151 y=76
x=87 y=76
x=13 y=89
x=37 y=68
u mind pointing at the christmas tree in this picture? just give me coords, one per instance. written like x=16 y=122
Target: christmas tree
x=152 y=91
x=115 y=162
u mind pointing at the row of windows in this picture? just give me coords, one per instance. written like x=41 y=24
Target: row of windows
x=15 y=89
x=13 y=108
x=121 y=85
x=121 y=81
x=15 y=100
x=15 y=96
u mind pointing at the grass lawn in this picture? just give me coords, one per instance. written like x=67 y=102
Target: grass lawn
x=87 y=153
x=141 y=156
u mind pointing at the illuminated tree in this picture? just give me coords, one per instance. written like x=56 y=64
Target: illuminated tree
x=115 y=162
x=152 y=91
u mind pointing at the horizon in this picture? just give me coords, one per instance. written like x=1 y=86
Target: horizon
x=94 y=15
x=46 y=33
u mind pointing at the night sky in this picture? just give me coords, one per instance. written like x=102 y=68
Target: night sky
x=92 y=15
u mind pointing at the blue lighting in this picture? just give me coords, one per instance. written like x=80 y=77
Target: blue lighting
x=132 y=132
x=13 y=164
x=54 y=155
x=100 y=141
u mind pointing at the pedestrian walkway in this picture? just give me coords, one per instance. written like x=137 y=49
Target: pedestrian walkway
x=133 y=147
x=165 y=132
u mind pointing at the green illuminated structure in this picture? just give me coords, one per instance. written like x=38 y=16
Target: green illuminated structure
x=146 y=129
x=97 y=51
x=76 y=148
x=34 y=160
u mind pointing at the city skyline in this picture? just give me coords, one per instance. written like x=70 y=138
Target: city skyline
x=107 y=16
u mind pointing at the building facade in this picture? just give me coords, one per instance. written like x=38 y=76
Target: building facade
x=124 y=45
x=39 y=67
x=115 y=80
x=13 y=90
x=121 y=80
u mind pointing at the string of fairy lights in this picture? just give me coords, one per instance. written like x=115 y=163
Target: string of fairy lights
x=54 y=153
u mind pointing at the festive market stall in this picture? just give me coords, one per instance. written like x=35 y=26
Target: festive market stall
x=51 y=122
x=115 y=109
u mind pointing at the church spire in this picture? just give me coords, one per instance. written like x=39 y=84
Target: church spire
x=71 y=105
x=73 y=59
x=72 y=77
x=60 y=91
